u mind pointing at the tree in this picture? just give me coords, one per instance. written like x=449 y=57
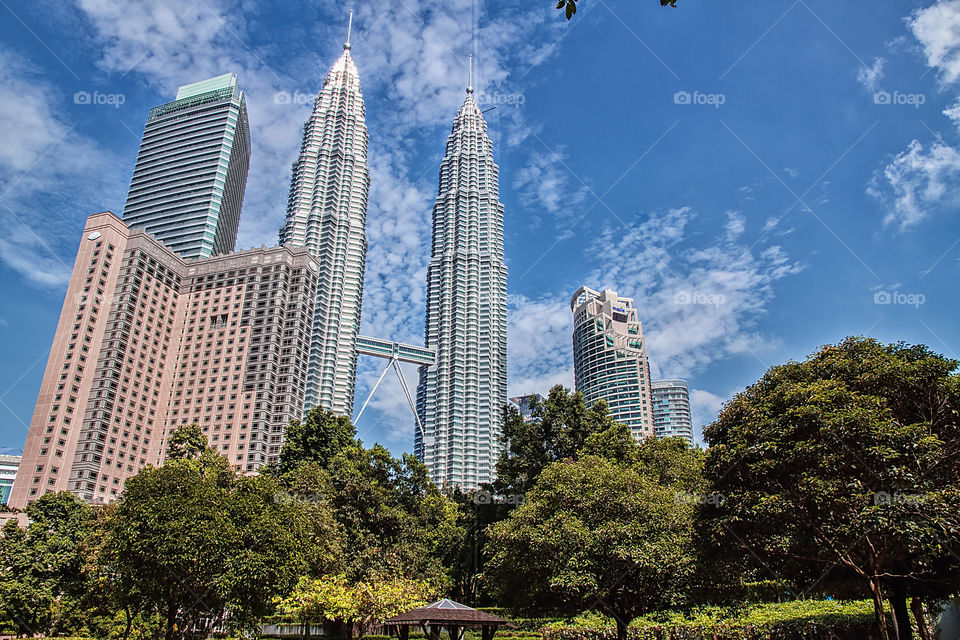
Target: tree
x=569 y=7
x=41 y=568
x=841 y=474
x=194 y=540
x=601 y=534
x=187 y=442
x=321 y=436
x=561 y=426
x=378 y=516
x=354 y=606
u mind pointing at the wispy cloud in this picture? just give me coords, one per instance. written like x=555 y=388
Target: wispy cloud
x=925 y=176
x=870 y=76
x=699 y=304
x=45 y=167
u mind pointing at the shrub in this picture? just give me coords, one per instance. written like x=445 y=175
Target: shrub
x=802 y=619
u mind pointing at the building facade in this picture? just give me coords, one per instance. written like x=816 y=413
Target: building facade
x=610 y=358
x=8 y=473
x=525 y=405
x=191 y=172
x=327 y=214
x=148 y=341
x=461 y=397
x=671 y=410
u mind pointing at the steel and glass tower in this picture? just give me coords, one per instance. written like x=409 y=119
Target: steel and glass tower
x=327 y=213
x=188 y=183
x=610 y=357
x=460 y=398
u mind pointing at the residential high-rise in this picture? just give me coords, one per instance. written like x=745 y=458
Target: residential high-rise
x=461 y=397
x=671 y=409
x=610 y=357
x=188 y=183
x=148 y=341
x=327 y=214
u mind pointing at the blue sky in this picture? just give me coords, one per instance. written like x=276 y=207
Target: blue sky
x=762 y=178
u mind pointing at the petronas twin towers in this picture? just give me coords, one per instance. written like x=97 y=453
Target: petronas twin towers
x=460 y=397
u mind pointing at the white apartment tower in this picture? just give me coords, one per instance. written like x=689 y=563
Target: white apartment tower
x=326 y=213
x=610 y=358
x=461 y=397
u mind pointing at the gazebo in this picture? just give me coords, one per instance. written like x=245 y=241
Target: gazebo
x=446 y=613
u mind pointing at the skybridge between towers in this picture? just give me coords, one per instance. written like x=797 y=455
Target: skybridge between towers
x=394 y=353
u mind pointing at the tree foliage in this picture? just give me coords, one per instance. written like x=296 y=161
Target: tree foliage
x=560 y=428
x=841 y=474
x=353 y=606
x=42 y=574
x=319 y=438
x=195 y=541
x=187 y=442
x=603 y=534
x=569 y=7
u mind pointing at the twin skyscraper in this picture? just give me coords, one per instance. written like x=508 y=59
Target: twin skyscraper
x=164 y=324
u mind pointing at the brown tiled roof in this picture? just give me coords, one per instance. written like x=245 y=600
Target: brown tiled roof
x=446 y=612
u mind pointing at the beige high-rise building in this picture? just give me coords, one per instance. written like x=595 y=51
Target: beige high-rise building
x=148 y=341
x=610 y=357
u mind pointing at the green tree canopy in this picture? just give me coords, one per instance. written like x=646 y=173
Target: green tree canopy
x=42 y=575
x=319 y=438
x=841 y=474
x=601 y=534
x=195 y=540
x=187 y=442
x=561 y=426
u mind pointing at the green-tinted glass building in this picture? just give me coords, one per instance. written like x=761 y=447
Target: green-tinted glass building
x=191 y=172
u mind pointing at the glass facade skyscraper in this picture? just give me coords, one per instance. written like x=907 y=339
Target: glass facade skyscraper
x=191 y=172
x=327 y=214
x=671 y=409
x=610 y=357
x=461 y=398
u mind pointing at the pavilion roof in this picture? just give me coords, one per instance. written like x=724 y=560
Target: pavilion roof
x=446 y=612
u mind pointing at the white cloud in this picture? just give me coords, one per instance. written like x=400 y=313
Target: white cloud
x=916 y=180
x=704 y=407
x=937 y=28
x=870 y=76
x=925 y=177
x=698 y=304
x=45 y=162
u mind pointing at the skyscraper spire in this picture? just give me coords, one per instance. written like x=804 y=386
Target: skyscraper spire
x=346 y=45
x=470 y=73
x=460 y=398
x=327 y=213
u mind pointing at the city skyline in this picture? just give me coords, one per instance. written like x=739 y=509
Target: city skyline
x=730 y=232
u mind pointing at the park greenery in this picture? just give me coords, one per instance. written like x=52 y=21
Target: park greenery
x=826 y=504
